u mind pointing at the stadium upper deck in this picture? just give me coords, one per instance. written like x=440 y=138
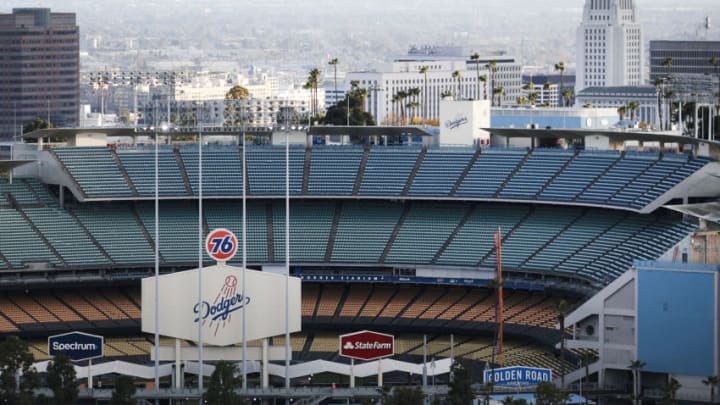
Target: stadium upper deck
x=635 y=181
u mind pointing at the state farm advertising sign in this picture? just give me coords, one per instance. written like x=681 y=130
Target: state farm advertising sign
x=367 y=345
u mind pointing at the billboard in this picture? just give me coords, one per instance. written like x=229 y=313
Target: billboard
x=221 y=310
x=461 y=122
x=517 y=376
x=367 y=345
x=76 y=345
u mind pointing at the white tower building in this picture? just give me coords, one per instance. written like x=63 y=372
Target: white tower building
x=609 y=45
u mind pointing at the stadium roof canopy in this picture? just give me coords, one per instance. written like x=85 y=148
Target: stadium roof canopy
x=582 y=133
x=11 y=164
x=367 y=131
x=707 y=211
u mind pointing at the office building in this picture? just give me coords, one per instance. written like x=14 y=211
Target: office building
x=39 y=69
x=384 y=85
x=609 y=45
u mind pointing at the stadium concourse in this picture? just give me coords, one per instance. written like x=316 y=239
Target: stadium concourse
x=396 y=239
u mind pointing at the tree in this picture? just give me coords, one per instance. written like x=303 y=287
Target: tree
x=532 y=97
x=484 y=80
x=459 y=388
x=424 y=71
x=233 y=101
x=124 y=393
x=223 y=383
x=458 y=76
x=560 y=67
x=475 y=57
x=660 y=85
x=547 y=393
x=512 y=401
x=492 y=67
x=632 y=107
x=670 y=391
x=712 y=381
x=312 y=85
x=16 y=359
x=37 y=123
x=405 y=396
x=61 y=379
x=622 y=110
x=522 y=100
x=667 y=63
x=487 y=390
x=338 y=114
x=567 y=96
x=636 y=367
x=499 y=91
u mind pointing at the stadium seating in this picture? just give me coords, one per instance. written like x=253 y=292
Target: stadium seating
x=66 y=236
x=629 y=180
x=388 y=170
x=95 y=171
x=266 y=170
x=333 y=170
x=20 y=244
x=117 y=231
x=440 y=170
x=536 y=238
x=140 y=167
x=221 y=167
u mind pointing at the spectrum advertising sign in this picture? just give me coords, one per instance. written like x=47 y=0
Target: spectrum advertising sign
x=221 y=310
x=76 y=345
x=367 y=345
x=517 y=376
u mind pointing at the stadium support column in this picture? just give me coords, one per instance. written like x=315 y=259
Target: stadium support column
x=424 y=368
x=380 y=376
x=265 y=364
x=178 y=374
x=352 y=373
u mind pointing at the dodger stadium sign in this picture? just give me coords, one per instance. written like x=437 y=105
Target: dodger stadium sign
x=517 y=376
x=221 y=309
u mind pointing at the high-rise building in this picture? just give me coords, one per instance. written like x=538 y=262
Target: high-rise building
x=609 y=45
x=384 y=85
x=39 y=68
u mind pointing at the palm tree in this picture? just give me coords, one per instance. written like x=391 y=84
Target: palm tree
x=670 y=391
x=633 y=106
x=312 y=85
x=622 y=110
x=475 y=57
x=522 y=100
x=401 y=96
x=636 y=366
x=395 y=99
x=712 y=381
x=492 y=67
x=500 y=91
x=567 y=96
x=334 y=63
x=532 y=97
x=458 y=76
x=484 y=79
x=667 y=63
x=560 y=67
x=562 y=308
x=413 y=93
x=660 y=85
x=423 y=71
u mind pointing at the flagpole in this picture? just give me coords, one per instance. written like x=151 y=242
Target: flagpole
x=244 y=262
x=200 y=260
x=287 y=250
x=157 y=257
